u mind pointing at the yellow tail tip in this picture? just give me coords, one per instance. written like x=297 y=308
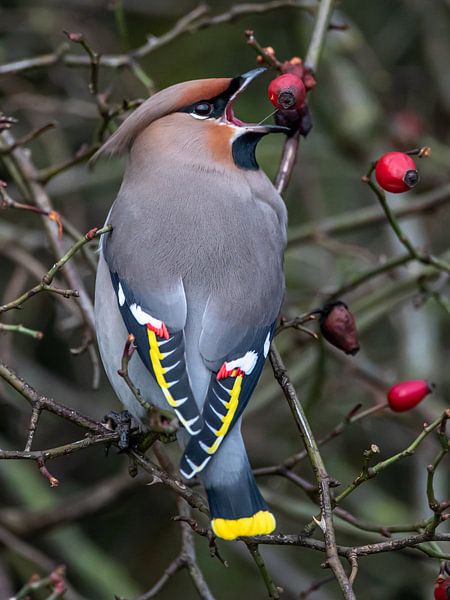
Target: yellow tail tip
x=260 y=523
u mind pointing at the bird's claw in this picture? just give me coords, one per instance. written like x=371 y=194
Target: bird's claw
x=120 y=422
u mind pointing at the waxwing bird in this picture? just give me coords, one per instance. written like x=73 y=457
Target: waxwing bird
x=193 y=268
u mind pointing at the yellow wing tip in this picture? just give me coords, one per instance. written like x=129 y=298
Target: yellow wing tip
x=260 y=523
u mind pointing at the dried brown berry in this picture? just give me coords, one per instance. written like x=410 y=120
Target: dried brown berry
x=338 y=327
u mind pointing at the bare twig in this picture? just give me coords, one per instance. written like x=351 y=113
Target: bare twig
x=185 y=560
x=73 y=508
x=47 y=279
x=314 y=587
x=357 y=220
x=319 y=33
x=370 y=472
x=162 y=421
x=19 y=163
x=189 y=23
x=411 y=541
x=37 y=335
x=423 y=257
x=29 y=137
x=320 y=473
x=272 y=589
x=7 y=202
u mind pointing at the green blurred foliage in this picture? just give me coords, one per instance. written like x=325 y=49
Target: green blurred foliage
x=382 y=84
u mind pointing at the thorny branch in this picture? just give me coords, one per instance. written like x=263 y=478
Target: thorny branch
x=414 y=253
x=320 y=473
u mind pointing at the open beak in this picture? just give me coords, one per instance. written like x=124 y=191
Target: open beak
x=229 y=116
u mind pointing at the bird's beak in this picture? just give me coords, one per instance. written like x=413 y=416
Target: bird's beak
x=229 y=116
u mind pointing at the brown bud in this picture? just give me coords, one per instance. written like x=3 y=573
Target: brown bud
x=295 y=68
x=91 y=233
x=337 y=325
x=309 y=80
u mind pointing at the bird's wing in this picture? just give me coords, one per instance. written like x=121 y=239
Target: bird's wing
x=234 y=346
x=157 y=318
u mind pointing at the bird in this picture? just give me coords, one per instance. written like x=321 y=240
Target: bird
x=193 y=269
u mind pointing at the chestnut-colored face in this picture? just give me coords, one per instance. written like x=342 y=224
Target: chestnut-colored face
x=234 y=140
x=205 y=103
x=220 y=131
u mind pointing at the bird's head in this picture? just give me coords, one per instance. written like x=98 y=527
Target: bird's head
x=198 y=117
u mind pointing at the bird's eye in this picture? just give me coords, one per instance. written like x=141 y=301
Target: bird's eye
x=203 y=109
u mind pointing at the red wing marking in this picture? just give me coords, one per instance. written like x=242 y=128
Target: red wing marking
x=160 y=331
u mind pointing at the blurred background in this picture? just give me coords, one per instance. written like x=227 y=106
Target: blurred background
x=383 y=84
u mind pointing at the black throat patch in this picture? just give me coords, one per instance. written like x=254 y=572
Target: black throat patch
x=243 y=150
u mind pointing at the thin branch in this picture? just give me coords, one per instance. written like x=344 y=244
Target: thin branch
x=25 y=64
x=287 y=163
x=370 y=472
x=320 y=473
x=23 y=170
x=176 y=565
x=35 y=414
x=185 y=560
x=7 y=202
x=44 y=175
x=37 y=335
x=51 y=453
x=357 y=220
x=242 y=10
x=189 y=23
x=358 y=280
x=48 y=404
x=72 y=508
x=159 y=420
x=423 y=257
x=410 y=541
x=47 y=279
x=319 y=33
x=29 y=137
x=314 y=587
x=272 y=589
x=160 y=476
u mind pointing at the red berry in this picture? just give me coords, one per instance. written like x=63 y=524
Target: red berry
x=407 y=394
x=396 y=172
x=442 y=588
x=287 y=91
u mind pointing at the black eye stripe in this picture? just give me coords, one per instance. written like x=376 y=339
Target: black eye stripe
x=217 y=103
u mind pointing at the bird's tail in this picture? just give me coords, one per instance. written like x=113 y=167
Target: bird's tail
x=236 y=505
x=238 y=509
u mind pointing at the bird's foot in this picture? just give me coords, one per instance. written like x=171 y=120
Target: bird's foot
x=120 y=422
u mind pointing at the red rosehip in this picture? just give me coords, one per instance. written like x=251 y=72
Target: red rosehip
x=287 y=91
x=442 y=588
x=407 y=394
x=396 y=172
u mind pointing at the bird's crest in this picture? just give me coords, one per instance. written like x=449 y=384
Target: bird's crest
x=162 y=103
